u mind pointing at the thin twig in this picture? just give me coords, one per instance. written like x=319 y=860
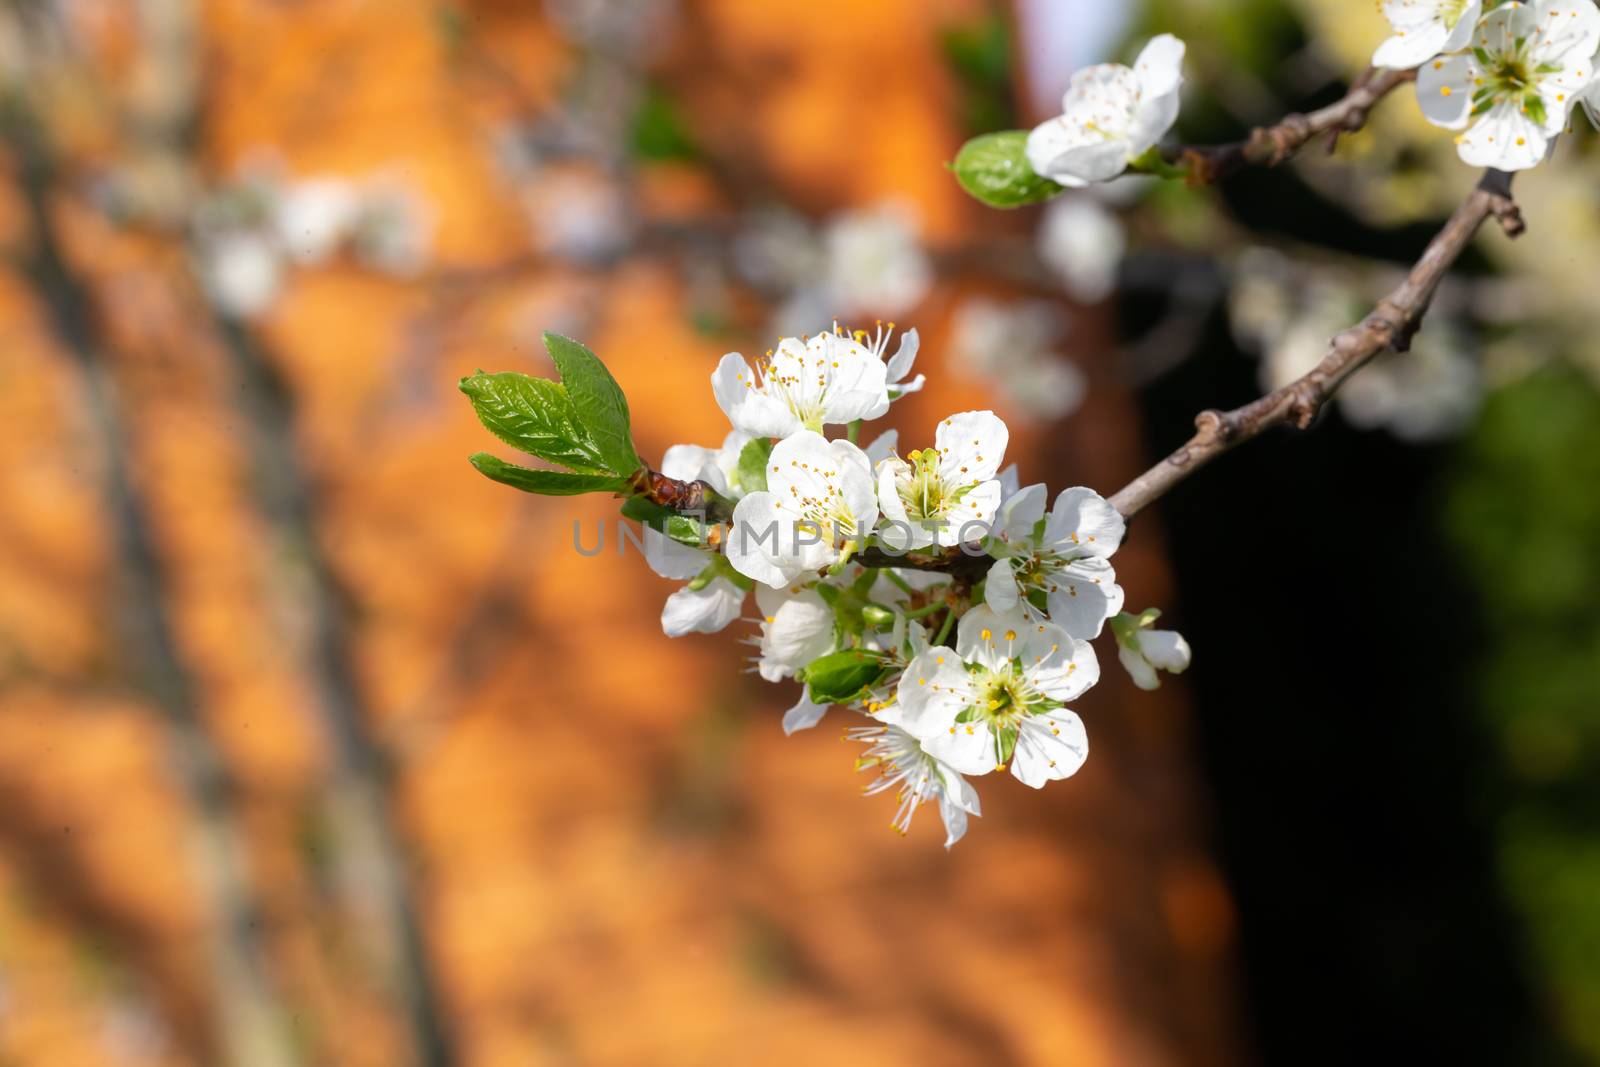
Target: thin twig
x=1391 y=324
x=1271 y=146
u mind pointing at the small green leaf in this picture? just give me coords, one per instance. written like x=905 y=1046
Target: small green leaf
x=546 y=483
x=598 y=401
x=680 y=528
x=840 y=677
x=994 y=168
x=536 y=416
x=752 y=469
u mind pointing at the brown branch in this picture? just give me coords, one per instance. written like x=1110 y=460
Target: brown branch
x=1391 y=324
x=1271 y=146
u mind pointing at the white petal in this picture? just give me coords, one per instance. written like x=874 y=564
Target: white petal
x=796 y=628
x=688 y=462
x=1412 y=47
x=882 y=447
x=1165 y=649
x=1444 y=91
x=746 y=402
x=933 y=690
x=670 y=559
x=1000 y=589
x=704 y=611
x=1010 y=482
x=971 y=445
x=1058 y=665
x=1020 y=513
x=899 y=364
x=1049 y=747
x=1139 y=669
x=968 y=747
x=855 y=383
x=1160 y=65
x=971 y=518
x=758 y=534
x=955 y=821
x=1083 y=596
x=804 y=715
x=1506 y=139
x=991 y=638
x=1086 y=522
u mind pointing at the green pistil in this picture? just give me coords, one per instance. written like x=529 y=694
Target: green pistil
x=1510 y=78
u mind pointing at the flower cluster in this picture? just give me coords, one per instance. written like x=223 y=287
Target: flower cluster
x=927 y=592
x=1506 y=75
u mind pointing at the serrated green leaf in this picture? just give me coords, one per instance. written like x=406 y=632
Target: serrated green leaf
x=536 y=416
x=546 y=483
x=994 y=168
x=840 y=677
x=664 y=520
x=598 y=400
x=751 y=470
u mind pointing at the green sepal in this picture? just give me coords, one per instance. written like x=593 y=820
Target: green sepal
x=840 y=677
x=663 y=520
x=751 y=470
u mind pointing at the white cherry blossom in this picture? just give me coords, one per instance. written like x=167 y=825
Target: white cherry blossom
x=946 y=494
x=903 y=764
x=997 y=699
x=1111 y=115
x=1062 y=558
x=1513 y=91
x=797 y=627
x=819 y=506
x=1425 y=28
x=831 y=378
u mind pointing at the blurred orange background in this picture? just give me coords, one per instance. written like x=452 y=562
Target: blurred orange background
x=318 y=748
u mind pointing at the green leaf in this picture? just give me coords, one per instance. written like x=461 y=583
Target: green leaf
x=840 y=677
x=994 y=168
x=598 y=400
x=546 y=483
x=751 y=471
x=663 y=520
x=536 y=416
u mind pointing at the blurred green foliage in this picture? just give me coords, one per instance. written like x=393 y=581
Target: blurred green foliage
x=1524 y=508
x=979 y=55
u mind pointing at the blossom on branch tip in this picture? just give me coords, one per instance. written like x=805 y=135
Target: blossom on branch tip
x=1424 y=29
x=946 y=494
x=1111 y=116
x=997 y=699
x=1144 y=651
x=832 y=378
x=1513 y=91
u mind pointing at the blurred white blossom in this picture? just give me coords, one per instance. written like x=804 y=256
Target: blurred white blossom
x=1084 y=244
x=875 y=264
x=248 y=234
x=1429 y=393
x=1015 y=346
